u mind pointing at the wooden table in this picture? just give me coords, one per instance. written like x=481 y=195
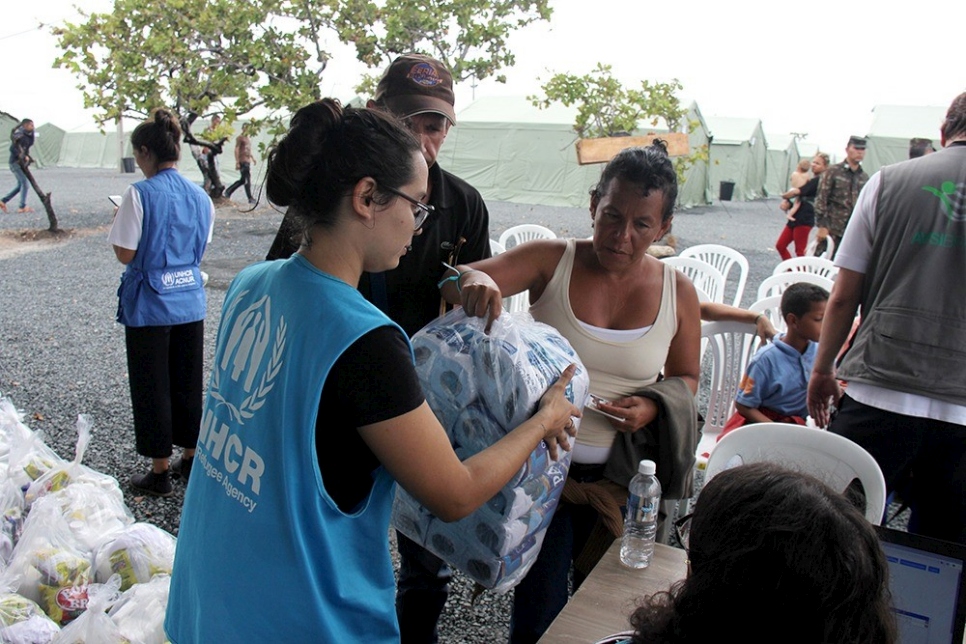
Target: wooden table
x=608 y=596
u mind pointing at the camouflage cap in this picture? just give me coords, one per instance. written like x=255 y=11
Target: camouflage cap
x=416 y=84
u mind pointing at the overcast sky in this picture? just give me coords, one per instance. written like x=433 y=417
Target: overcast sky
x=816 y=67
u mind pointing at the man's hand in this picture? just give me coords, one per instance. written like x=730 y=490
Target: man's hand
x=823 y=391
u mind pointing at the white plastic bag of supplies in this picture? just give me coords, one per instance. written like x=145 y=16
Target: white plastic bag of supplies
x=481 y=386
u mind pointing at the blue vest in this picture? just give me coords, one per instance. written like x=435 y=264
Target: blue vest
x=162 y=284
x=264 y=554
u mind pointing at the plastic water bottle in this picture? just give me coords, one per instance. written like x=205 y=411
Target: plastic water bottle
x=640 y=522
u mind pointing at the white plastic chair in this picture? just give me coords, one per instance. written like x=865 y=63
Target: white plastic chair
x=831 y=458
x=776 y=284
x=707 y=279
x=725 y=259
x=772 y=307
x=496 y=247
x=813 y=242
x=516 y=235
x=807 y=264
x=729 y=347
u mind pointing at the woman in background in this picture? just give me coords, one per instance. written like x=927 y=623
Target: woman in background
x=801 y=216
x=160 y=233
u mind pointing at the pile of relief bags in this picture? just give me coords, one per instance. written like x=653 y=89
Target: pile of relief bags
x=74 y=565
x=481 y=386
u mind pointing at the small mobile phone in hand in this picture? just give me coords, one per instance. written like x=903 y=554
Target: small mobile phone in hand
x=594 y=405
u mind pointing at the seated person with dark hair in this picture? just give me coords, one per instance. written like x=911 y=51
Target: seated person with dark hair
x=775 y=384
x=773 y=556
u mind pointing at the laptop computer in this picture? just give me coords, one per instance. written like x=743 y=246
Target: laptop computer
x=926 y=579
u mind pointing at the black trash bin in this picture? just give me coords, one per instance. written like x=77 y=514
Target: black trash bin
x=726 y=190
x=128 y=164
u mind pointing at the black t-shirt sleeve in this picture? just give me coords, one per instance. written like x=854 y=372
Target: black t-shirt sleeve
x=810 y=189
x=372 y=381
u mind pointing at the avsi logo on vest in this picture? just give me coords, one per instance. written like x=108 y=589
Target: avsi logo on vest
x=953 y=198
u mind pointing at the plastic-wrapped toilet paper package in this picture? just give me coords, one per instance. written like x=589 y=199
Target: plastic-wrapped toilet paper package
x=481 y=386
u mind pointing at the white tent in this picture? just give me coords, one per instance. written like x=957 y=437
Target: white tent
x=510 y=150
x=738 y=151
x=893 y=126
x=781 y=158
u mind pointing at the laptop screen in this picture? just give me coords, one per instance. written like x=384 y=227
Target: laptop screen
x=926 y=580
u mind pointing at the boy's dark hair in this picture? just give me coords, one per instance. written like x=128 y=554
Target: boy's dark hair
x=799 y=298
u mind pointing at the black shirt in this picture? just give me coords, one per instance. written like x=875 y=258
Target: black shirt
x=373 y=380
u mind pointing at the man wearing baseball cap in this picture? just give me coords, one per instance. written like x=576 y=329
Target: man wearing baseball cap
x=837 y=193
x=419 y=90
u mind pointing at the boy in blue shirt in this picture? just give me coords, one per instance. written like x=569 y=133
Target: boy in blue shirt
x=775 y=384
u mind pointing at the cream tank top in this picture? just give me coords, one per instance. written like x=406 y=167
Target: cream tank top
x=616 y=369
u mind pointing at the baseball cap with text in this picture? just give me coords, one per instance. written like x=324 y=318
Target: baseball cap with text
x=416 y=84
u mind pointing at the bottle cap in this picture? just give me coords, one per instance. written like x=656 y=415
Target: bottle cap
x=647 y=468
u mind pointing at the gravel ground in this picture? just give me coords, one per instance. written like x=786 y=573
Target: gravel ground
x=62 y=354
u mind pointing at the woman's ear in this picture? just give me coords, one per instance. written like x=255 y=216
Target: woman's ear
x=665 y=228
x=362 y=196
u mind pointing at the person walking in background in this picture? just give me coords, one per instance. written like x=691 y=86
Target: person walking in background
x=160 y=233
x=902 y=261
x=315 y=410
x=419 y=90
x=837 y=194
x=243 y=163
x=801 y=217
x=21 y=138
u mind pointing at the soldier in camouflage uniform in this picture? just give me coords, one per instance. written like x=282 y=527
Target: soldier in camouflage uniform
x=838 y=192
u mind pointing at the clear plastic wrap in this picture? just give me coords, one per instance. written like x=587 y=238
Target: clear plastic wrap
x=22 y=621
x=30 y=459
x=481 y=386
x=51 y=568
x=139 y=614
x=11 y=518
x=63 y=474
x=137 y=553
x=93 y=513
x=95 y=625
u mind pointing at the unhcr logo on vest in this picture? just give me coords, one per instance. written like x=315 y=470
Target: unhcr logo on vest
x=252 y=357
x=175 y=279
x=953 y=198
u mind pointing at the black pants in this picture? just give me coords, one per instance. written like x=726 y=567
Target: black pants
x=421 y=591
x=924 y=458
x=165 y=364
x=244 y=180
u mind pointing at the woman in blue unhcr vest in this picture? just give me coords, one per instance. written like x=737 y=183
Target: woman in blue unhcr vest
x=160 y=232
x=314 y=410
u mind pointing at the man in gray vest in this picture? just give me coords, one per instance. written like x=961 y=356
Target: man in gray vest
x=903 y=261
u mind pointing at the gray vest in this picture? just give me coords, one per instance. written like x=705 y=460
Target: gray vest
x=913 y=332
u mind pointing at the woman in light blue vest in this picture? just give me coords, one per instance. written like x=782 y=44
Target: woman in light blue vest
x=314 y=410
x=160 y=233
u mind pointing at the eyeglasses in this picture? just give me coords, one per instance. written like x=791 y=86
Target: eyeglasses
x=682 y=528
x=422 y=210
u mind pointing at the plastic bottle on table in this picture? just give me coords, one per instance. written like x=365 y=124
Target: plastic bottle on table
x=640 y=522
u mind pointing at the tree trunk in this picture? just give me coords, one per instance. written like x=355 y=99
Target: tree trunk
x=44 y=197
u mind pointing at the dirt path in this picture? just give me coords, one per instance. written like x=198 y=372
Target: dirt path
x=30 y=240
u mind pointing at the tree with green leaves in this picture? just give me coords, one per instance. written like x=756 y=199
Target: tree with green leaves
x=229 y=57
x=468 y=36
x=606 y=108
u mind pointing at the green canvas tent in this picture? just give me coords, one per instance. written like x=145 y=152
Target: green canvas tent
x=47 y=144
x=738 y=152
x=512 y=151
x=782 y=155
x=893 y=126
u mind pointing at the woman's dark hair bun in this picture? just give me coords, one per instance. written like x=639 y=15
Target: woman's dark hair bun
x=660 y=144
x=328 y=149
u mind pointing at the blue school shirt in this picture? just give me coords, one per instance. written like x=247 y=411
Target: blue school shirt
x=777 y=378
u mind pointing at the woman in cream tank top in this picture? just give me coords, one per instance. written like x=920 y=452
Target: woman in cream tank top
x=629 y=317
